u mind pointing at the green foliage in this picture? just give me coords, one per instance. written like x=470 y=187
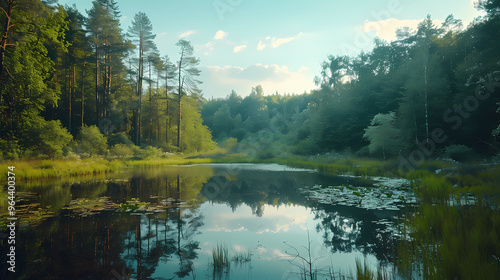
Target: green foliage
x=45 y=137
x=383 y=135
x=458 y=152
x=149 y=152
x=451 y=243
x=229 y=143
x=121 y=150
x=363 y=272
x=9 y=150
x=91 y=141
x=197 y=136
x=43 y=169
x=119 y=138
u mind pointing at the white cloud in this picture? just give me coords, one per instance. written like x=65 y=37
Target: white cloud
x=386 y=29
x=238 y=49
x=276 y=42
x=186 y=34
x=205 y=49
x=220 y=80
x=280 y=41
x=220 y=35
x=261 y=46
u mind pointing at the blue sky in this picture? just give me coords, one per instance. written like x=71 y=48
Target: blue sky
x=278 y=44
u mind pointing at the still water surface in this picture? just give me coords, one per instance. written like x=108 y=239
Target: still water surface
x=257 y=209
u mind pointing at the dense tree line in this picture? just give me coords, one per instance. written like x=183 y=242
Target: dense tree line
x=65 y=75
x=70 y=81
x=434 y=90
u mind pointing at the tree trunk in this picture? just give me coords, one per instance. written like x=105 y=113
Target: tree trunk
x=157 y=119
x=97 y=80
x=83 y=91
x=3 y=45
x=139 y=92
x=167 y=120
x=5 y=37
x=180 y=113
x=150 y=107
x=70 y=94
x=426 y=105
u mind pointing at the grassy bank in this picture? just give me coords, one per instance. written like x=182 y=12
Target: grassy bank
x=46 y=169
x=484 y=181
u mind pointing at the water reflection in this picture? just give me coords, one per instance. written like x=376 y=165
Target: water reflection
x=251 y=210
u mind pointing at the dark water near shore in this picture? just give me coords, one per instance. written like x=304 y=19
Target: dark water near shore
x=259 y=210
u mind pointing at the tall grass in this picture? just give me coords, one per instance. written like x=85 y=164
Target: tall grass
x=220 y=258
x=43 y=169
x=363 y=272
x=166 y=161
x=449 y=242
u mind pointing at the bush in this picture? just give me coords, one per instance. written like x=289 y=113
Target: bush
x=229 y=143
x=121 y=150
x=168 y=147
x=149 y=152
x=9 y=150
x=41 y=137
x=119 y=138
x=91 y=142
x=458 y=152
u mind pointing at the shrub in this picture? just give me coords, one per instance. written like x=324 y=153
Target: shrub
x=119 y=138
x=121 y=150
x=41 y=137
x=148 y=152
x=91 y=141
x=9 y=150
x=458 y=152
x=229 y=143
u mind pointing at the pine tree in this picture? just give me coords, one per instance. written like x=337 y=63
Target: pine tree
x=187 y=71
x=141 y=32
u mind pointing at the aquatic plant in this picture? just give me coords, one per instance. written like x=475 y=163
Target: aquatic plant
x=451 y=242
x=363 y=272
x=242 y=257
x=220 y=258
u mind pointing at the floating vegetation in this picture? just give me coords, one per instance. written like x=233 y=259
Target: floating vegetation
x=28 y=210
x=389 y=194
x=86 y=207
x=133 y=204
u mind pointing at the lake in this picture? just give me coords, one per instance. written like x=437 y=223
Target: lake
x=163 y=223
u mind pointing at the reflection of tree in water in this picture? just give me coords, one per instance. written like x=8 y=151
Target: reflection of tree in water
x=163 y=236
x=348 y=229
x=340 y=233
x=255 y=190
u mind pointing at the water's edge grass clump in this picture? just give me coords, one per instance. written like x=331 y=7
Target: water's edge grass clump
x=220 y=258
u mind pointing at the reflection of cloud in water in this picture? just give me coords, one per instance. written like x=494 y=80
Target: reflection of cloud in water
x=280 y=255
x=273 y=167
x=239 y=248
x=273 y=221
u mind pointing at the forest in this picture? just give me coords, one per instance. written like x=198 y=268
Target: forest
x=80 y=85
